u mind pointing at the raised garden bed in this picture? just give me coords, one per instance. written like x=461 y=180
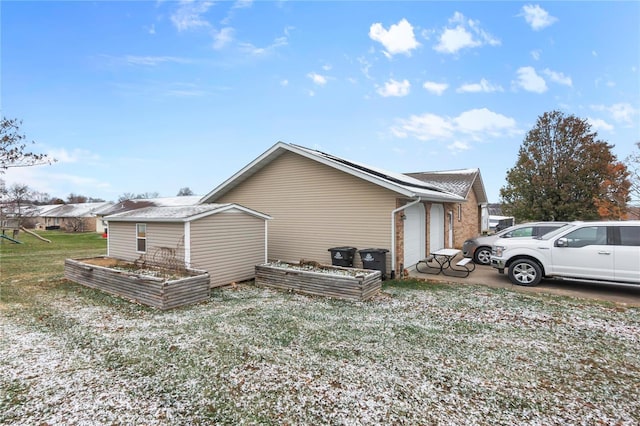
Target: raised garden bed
x=320 y=280
x=156 y=287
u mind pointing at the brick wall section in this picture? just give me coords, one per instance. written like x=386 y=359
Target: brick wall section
x=469 y=224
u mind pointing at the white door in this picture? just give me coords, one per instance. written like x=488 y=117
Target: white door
x=436 y=227
x=587 y=254
x=414 y=234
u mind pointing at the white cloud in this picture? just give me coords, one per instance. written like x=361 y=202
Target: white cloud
x=599 y=124
x=62 y=155
x=317 y=79
x=535 y=54
x=264 y=51
x=395 y=88
x=558 y=77
x=435 y=88
x=425 y=127
x=623 y=112
x=530 y=81
x=189 y=15
x=537 y=17
x=284 y=83
x=463 y=33
x=472 y=125
x=153 y=61
x=399 y=38
x=483 y=86
x=458 y=146
x=222 y=38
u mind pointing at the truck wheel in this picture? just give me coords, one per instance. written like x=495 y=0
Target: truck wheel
x=482 y=256
x=525 y=272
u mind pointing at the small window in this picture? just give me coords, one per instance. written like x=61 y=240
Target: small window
x=141 y=237
x=630 y=235
x=520 y=232
x=459 y=212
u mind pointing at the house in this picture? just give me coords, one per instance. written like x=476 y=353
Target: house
x=80 y=217
x=226 y=240
x=139 y=203
x=319 y=201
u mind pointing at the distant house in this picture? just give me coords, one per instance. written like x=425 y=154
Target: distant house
x=80 y=217
x=319 y=201
x=226 y=240
x=139 y=203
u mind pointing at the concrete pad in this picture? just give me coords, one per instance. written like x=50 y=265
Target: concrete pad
x=625 y=295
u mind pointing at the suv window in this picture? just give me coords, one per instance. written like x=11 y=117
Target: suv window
x=586 y=236
x=629 y=235
x=545 y=229
x=520 y=232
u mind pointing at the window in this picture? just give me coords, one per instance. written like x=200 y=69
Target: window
x=520 y=232
x=459 y=212
x=589 y=235
x=141 y=237
x=630 y=235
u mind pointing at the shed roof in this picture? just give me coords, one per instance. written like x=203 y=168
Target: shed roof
x=179 y=213
x=402 y=184
x=139 y=203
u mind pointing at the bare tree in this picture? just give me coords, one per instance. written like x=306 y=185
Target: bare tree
x=185 y=191
x=633 y=162
x=16 y=207
x=13 y=147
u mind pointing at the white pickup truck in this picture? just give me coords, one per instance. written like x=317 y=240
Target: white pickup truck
x=591 y=251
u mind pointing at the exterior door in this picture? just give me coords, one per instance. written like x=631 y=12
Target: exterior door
x=414 y=234
x=436 y=227
x=586 y=254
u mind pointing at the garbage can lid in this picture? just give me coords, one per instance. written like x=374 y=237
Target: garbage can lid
x=373 y=250
x=343 y=248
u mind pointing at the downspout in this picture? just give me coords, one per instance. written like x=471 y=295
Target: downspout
x=187 y=244
x=393 y=234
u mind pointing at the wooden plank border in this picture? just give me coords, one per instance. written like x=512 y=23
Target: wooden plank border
x=156 y=292
x=359 y=287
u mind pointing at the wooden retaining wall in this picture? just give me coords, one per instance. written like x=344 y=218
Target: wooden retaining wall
x=156 y=292
x=361 y=287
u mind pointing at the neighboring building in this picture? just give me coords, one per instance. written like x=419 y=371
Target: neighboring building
x=139 y=203
x=226 y=240
x=319 y=201
x=80 y=217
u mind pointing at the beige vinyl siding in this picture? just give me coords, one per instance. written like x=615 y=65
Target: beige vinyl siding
x=228 y=245
x=122 y=240
x=315 y=207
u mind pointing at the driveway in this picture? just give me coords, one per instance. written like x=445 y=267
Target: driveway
x=627 y=295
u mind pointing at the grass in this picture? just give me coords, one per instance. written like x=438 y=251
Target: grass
x=418 y=354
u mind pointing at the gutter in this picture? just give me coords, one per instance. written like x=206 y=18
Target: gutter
x=393 y=233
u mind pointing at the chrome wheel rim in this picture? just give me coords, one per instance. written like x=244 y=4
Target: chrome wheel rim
x=524 y=273
x=484 y=256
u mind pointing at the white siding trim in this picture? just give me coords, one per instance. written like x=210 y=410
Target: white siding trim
x=187 y=244
x=266 y=241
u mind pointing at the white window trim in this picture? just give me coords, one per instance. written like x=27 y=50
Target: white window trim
x=139 y=238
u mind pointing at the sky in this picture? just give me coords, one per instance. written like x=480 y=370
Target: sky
x=154 y=96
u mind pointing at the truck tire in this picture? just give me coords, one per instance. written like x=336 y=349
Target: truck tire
x=525 y=272
x=482 y=256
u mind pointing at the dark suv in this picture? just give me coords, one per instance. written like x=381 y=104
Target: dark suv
x=479 y=248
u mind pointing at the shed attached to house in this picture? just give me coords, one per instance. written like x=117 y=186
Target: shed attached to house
x=319 y=201
x=226 y=240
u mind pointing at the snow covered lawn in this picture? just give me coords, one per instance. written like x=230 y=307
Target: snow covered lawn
x=417 y=354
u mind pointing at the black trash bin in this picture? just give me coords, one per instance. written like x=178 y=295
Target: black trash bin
x=342 y=256
x=375 y=258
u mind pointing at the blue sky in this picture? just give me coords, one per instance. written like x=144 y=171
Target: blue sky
x=143 y=96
